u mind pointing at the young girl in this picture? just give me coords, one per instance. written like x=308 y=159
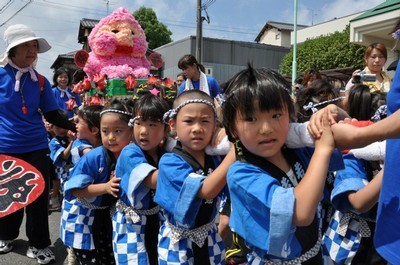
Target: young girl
x=92 y=189
x=189 y=183
x=356 y=191
x=65 y=98
x=88 y=131
x=136 y=216
x=274 y=190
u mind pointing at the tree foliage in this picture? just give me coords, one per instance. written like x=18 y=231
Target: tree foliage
x=326 y=52
x=157 y=33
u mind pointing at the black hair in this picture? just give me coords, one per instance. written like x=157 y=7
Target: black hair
x=318 y=91
x=120 y=106
x=265 y=86
x=150 y=107
x=362 y=104
x=63 y=113
x=11 y=52
x=190 y=60
x=91 y=114
x=191 y=94
x=60 y=71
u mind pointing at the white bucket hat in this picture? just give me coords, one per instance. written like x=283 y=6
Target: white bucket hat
x=18 y=34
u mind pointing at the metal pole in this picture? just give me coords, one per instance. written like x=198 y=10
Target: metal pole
x=294 y=62
x=199 y=32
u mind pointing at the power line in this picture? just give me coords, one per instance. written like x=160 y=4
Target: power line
x=30 y=1
x=6 y=5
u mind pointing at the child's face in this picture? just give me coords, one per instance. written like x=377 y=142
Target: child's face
x=264 y=133
x=194 y=126
x=115 y=133
x=82 y=130
x=148 y=134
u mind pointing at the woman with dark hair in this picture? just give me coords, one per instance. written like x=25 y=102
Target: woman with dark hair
x=66 y=99
x=375 y=57
x=196 y=78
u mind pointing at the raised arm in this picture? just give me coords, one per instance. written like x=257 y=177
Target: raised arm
x=348 y=136
x=309 y=191
x=216 y=181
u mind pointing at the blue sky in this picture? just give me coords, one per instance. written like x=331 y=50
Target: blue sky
x=58 y=21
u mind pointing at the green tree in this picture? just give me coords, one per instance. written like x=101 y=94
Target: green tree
x=157 y=33
x=326 y=52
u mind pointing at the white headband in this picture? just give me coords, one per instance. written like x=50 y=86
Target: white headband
x=313 y=106
x=116 y=111
x=173 y=112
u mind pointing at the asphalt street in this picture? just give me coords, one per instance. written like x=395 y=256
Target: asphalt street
x=18 y=255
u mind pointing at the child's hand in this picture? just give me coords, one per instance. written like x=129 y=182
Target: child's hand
x=219 y=135
x=71 y=136
x=326 y=139
x=315 y=126
x=112 y=186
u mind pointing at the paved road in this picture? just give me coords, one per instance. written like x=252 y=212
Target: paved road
x=18 y=255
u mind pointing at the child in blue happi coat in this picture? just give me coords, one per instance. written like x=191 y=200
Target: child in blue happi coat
x=136 y=219
x=349 y=237
x=60 y=153
x=275 y=190
x=88 y=131
x=189 y=183
x=92 y=189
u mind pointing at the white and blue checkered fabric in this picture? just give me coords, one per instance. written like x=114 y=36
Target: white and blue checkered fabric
x=76 y=225
x=128 y=240
x=181 y=253
x=341 y=249
x=62 y=173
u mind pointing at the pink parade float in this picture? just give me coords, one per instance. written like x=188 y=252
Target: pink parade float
x=117 y=66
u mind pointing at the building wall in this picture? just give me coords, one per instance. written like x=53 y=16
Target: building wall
x=224 y=57
x=277 y=37
x=322 y=29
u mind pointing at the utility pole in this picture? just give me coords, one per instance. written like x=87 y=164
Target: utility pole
x=294 y=62
x=199 y=34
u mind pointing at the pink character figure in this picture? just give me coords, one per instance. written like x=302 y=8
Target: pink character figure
x=119 y=46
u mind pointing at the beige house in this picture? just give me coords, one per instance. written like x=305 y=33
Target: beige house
x=276 y=33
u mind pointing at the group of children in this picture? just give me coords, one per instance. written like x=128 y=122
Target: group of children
x=130 y=201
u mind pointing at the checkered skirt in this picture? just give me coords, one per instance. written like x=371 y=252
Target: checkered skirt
x=76 y=225
x=181 y=253
x=341 y=249
x=128 y=240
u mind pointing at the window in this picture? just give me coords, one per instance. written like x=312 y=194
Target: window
x=209 y=71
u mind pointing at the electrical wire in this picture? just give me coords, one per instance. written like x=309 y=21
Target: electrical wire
x=6 y=6
x=19 y=10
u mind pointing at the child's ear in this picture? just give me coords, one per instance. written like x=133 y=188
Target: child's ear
x=95 y=131
x=172 y=126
